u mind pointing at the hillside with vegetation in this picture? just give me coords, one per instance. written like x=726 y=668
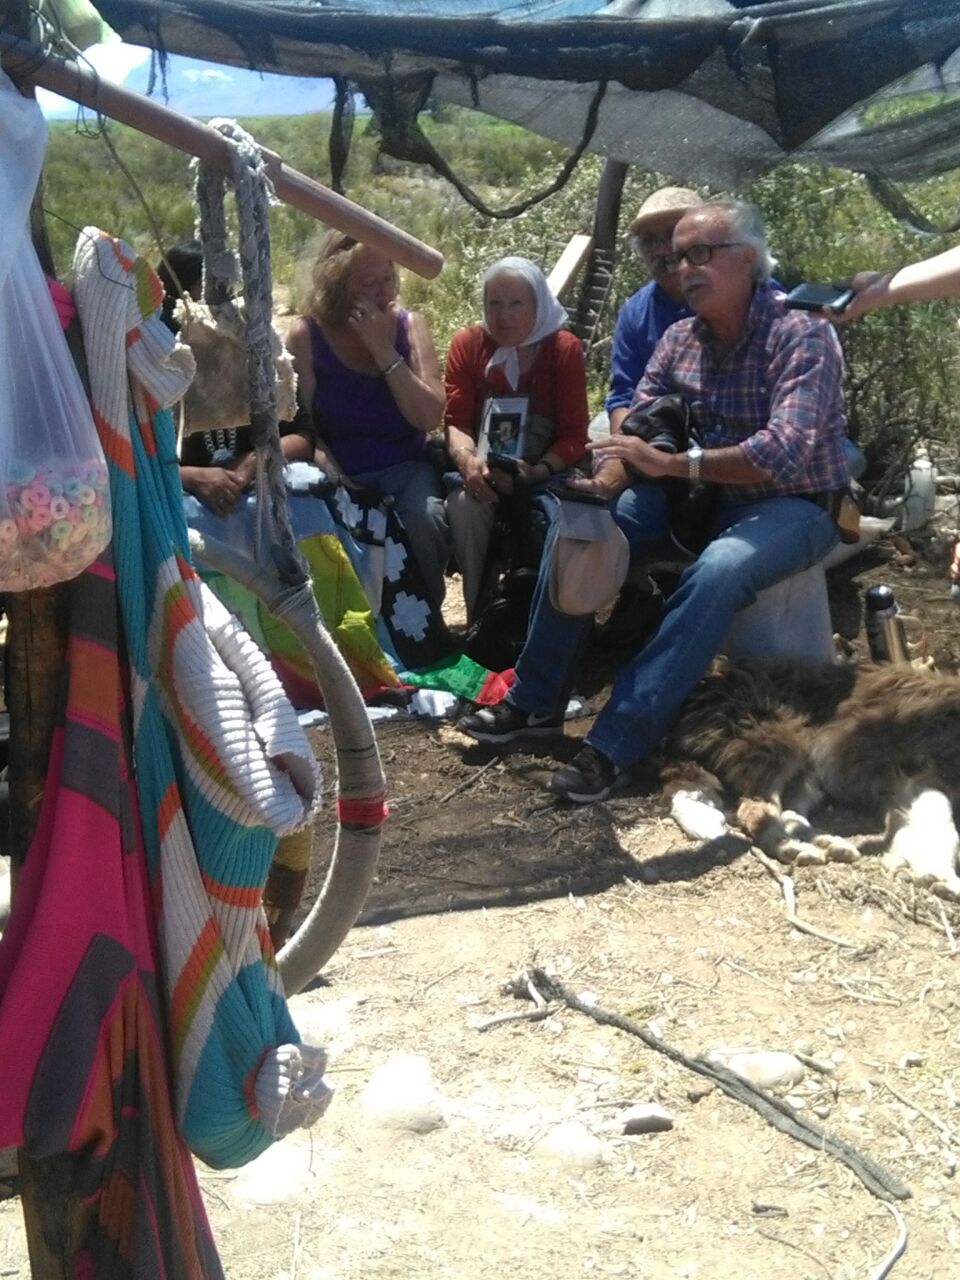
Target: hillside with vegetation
x=823 y=225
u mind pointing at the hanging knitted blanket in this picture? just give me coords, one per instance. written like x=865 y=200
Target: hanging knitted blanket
x=222 y=766
x=82 y=1040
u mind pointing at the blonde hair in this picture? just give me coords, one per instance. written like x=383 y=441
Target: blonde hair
x=327 y=299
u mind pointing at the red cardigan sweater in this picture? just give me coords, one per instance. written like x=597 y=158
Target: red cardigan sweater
x=556 y=383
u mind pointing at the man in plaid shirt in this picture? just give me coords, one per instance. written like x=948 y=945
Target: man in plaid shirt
x=763 y=386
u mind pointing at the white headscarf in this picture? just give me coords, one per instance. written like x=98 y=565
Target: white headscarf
x=551 y=314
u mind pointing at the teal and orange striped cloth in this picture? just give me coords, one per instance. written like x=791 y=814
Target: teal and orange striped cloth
x=222 y=766
x=83 y=1041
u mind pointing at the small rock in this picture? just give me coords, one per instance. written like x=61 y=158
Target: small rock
x=911 y=1059
x=401 y=1095
x=700 y=1090
x=768 y=1069
x=793 y=1100
x=573 y=1146
x=646 y=1117
x=281 y=1174
x=822 y=1110
x=803 y=978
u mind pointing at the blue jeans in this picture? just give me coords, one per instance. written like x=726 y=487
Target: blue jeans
x=418 y=500
x=754 y=545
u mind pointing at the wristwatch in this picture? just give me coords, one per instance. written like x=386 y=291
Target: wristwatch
x=694 y=458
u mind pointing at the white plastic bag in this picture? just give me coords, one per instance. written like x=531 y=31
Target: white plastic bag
x=54 y=495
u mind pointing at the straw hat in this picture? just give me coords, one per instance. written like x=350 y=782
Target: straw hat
x=660 y=211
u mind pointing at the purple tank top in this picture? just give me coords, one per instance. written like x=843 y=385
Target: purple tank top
x=356 y=415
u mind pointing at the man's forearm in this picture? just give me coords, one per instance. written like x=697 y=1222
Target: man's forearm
x=727 y=465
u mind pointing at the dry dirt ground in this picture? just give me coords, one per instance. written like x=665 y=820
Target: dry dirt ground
x=454 y=1152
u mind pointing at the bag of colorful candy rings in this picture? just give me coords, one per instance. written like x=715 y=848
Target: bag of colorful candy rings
x=54 y=493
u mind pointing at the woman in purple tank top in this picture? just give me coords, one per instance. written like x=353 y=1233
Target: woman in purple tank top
x=368 y=374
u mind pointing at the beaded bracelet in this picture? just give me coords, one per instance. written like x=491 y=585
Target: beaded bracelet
x=385 y=373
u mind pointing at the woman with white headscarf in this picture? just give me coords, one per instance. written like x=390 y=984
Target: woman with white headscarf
x=516 y=385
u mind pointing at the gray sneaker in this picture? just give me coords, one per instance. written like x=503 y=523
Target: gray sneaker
x=504 y=722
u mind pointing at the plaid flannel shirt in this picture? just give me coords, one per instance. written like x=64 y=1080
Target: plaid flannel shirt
x=777 y=395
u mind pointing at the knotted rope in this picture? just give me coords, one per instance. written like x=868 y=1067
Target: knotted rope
x=252 y=191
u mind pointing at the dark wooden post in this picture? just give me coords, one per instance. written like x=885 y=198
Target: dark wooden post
x=609 y=194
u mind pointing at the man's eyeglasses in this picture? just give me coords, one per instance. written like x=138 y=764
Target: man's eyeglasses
x=697 y=255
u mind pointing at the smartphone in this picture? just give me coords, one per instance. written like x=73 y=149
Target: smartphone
x=571 y=494
x=504 y=462
x=819 y=297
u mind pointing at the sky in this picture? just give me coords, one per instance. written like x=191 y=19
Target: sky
x=198 y=88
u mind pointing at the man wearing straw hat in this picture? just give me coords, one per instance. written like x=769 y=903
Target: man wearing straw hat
x=641 y=322
x=656 y=306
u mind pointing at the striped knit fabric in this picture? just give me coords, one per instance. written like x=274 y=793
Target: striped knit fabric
x=222 y=766
x=82 y=1037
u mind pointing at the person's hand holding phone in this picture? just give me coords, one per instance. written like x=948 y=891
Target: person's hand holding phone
x=827 y=300
x=869 y=293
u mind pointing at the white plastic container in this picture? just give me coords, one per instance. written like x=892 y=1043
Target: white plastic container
x=920 y=496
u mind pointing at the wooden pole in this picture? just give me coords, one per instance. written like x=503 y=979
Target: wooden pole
x=30 y=65
x=609 y=194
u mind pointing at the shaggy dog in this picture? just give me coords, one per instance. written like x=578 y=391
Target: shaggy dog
x=780 y=738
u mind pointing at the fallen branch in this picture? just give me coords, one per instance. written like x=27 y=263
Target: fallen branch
x=778 y=1113
x=791 y=1244
x=467 y=783
x=529 y=1015
x=886 y=1266
x=942 y=1128
x=790 y=901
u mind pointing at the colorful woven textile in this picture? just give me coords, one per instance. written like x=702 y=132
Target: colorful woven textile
x=82 y=1038
x=222 y=767
x=462 y=676
x=339 y=593
x=366 y=582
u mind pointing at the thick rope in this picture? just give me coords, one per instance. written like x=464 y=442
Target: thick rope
x=252 y=192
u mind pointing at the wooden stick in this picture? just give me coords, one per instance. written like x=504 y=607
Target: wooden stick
x=900 y=1244
x=790 y=902
x=468 y=782
x=29 y=64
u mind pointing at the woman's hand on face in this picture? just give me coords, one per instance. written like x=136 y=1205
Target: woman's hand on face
x=376 y=328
